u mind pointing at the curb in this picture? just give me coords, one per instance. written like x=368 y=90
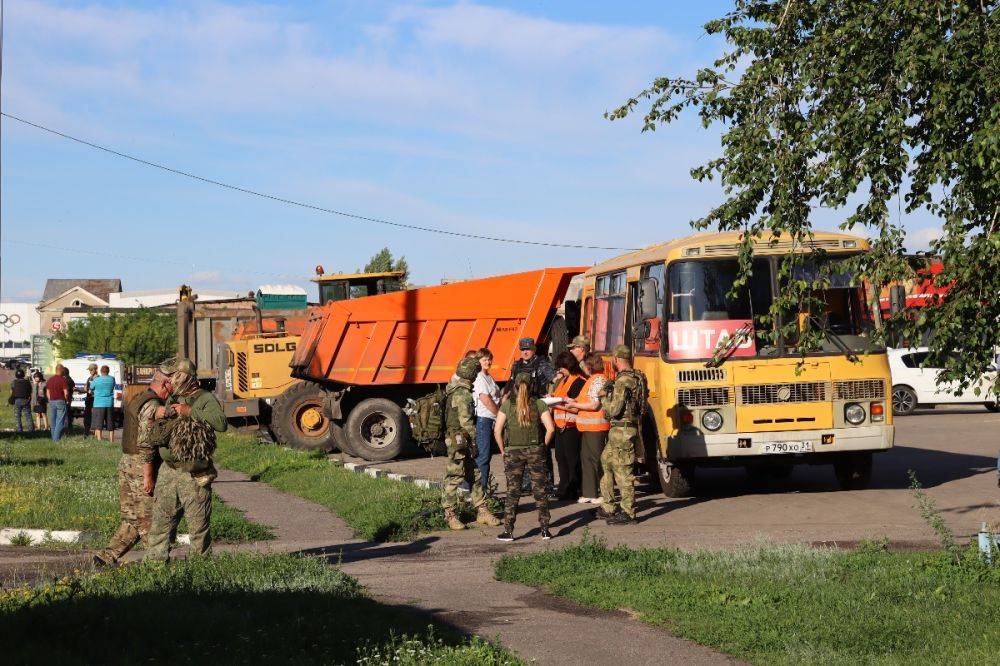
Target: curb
x=379 y=473
x=37 y=536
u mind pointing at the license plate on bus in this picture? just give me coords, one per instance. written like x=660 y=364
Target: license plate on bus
x=786 y=447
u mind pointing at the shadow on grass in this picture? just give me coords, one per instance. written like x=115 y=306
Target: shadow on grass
x=231 y=627
x=31 y=462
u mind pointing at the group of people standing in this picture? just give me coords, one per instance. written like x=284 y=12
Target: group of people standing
x=41 y=403
x=592 y=425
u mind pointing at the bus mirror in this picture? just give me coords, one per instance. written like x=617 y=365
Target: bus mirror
x=647 y=298
x=897 y=298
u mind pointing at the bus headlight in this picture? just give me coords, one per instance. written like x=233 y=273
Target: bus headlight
x=854 y=413
x=712 y=420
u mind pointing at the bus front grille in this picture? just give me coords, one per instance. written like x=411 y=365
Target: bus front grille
x=704 y=397
x=859 y=389
x=767 y=394
x=701 y=375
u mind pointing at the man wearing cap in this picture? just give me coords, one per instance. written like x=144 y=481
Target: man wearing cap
x=580 y=347
x=623 y=409
x=539 y=367
x=460 y=438
x=136 y=471
x=185 y=441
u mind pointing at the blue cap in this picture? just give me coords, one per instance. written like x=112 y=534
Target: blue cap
x=526 y=343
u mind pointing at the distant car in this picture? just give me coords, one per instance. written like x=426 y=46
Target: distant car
x=915 y=386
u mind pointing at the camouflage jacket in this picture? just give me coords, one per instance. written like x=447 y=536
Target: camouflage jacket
x=623 y=403
x=460 y=413
x=144 y=439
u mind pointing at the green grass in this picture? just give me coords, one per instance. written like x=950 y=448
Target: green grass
x=72 y=484
x=789 y=605
x=246 y=608
x=376 y=509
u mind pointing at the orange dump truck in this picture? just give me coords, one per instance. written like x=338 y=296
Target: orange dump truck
x=373 y=354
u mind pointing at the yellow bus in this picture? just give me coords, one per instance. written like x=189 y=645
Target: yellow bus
x=721 y=392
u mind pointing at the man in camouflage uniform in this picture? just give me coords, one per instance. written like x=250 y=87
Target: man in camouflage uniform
x=580 y=347
x=135 y=472
x=184 y=440
x=460 y=438
x=623 y=409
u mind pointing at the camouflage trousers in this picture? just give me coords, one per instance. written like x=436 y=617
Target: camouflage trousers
x=461 y=467
x=136 y=509
x=178 y=493
x=516 y=462
x=617 y=462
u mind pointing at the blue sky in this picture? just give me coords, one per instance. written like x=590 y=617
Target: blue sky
x=484 y=118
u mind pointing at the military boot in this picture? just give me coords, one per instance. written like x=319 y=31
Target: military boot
x=485 y=517
x=452 y=519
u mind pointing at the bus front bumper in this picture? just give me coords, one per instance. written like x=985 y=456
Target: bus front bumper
x=698 y=445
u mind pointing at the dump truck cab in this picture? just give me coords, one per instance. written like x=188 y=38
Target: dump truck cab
x=345 y=286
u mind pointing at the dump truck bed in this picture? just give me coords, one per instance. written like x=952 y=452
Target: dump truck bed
x=419 y=335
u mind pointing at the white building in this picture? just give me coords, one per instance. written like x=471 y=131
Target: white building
x=18 y=322
x=157 y=297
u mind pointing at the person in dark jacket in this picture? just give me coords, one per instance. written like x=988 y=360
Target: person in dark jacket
x=20 y=398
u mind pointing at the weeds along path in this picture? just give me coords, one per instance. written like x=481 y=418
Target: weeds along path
x=450 y=576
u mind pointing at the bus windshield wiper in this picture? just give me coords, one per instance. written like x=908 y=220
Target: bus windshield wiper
x=837 y=341
x=726 y=350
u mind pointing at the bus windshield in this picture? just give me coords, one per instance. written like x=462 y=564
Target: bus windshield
x=702 y=310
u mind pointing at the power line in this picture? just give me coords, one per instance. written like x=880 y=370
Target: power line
x=300 y=204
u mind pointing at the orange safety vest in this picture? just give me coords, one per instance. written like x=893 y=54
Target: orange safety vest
x=591 y=421
x=563 y=417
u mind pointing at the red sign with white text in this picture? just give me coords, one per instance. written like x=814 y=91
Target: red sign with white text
x=700 y=339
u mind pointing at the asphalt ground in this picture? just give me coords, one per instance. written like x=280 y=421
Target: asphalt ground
x=952 y=451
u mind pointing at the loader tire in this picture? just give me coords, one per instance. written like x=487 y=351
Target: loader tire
x=377 y=429
x=558 y=336
x=299 y=419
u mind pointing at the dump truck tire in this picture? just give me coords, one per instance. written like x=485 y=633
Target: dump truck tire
x=377 y=429
x=299 y=420
x=559 y=336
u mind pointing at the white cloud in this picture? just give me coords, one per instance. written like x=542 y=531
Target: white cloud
x=465 y=69
x=920 y=239
x=205 y=277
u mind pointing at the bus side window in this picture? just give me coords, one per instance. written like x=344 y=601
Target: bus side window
x=651 y=343
x=609 y=325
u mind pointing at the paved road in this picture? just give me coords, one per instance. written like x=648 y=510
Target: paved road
x=953 y=453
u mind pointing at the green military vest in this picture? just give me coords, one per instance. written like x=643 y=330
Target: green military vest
x=635 y=402
x=130 y=436
x=517 y=436
x=460 y=390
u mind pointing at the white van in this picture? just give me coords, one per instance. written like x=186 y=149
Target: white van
x=78 y=371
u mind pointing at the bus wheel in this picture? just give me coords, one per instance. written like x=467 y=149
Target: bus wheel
x=299 y=419
x=853 y=470
x=904 y=400
x=377 y=429
x=675 y=480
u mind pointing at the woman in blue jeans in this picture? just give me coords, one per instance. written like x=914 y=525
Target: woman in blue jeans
x=486 y=394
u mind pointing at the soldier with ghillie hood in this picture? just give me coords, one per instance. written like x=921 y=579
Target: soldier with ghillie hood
x=184 y=439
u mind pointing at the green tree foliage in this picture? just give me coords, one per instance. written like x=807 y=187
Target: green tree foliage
x=383 y=262
x=138 y=336
x=860 y=107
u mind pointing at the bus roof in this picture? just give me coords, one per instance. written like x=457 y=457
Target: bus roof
x=726 y=244
x=358 y=276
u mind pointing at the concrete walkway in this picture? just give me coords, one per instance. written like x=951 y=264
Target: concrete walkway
x=450 y=576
